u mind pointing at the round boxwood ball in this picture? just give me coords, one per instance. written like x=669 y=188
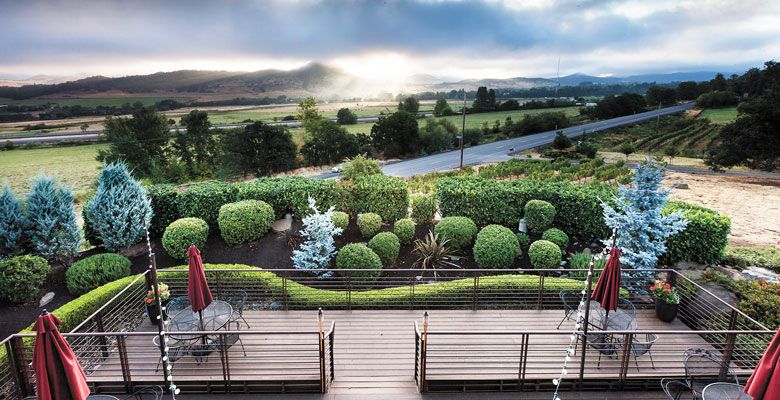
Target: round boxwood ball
x=523 y=239
x=359 y=256
x=404 y=229
x=95 y=271
x=183 y=233
x=21 y=278
x=244 y=221
x=387 y=246
x=557 y=236
x=460 y=231
x=539 y=215
x=544 y=254
x=340 y=219
x=496 y=247
x=369 y=224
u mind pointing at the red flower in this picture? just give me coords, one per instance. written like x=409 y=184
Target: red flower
x=667 y=290
x=654 y=287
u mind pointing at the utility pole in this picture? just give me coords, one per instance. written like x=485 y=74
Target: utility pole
x=463 y=129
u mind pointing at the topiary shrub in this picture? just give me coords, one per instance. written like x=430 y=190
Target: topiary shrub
x=544 y=254
x=556 y=236
x=404 y=229
x=523 y=239
x=386 y=245
x=53 y=231
x=340 y=219
x=539 y=215
x=290 y=194
x=459 y=231
x=120 y=209
x=244 y=221
x=423 y=208
x=318 y=247
x=358 y=256
x=205 y=199
x=496 y=247
x=12 y=222
x=95 y=271
x=703 y=240
x=20 y=278
x=183 y=233
x=369 y=224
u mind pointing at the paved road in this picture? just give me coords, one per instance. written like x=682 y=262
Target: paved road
x=502 y=150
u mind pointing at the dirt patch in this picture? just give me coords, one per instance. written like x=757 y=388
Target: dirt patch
x=752 y=204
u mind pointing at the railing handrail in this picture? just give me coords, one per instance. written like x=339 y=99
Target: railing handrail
x=174 y=333
x=611 y=332
x=260 y=269
x=719 y=299
x=330 y=332
x=108 y=303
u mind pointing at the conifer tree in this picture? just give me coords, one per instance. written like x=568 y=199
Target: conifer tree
x=119 y=209
x=12 y=222
x=53 y=231
x=319 y=247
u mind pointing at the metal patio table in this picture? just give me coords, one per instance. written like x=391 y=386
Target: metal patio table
x=214 y=317
x=724 y=391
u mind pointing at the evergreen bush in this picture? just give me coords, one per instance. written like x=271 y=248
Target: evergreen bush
x=204 y=200
x=183 y=233
x=340 y=219
x=387 y=246
x=120 y=210
x=496 y=247
x=544 y=254
x=539 y=215
x=20 y=278
x=165 y=207
x=290 y=194
x=423 y=208
x=318 y=248
x=556 y=236
x=523 y=239
x=405 y=230
x=459 y=231
x=52 y=227
x=359 y=256
x=244 y=221
x=704 y=238
x=359 y=167
x=369 y=224
x=12 y=223
x=387 y=196
x=94 y=271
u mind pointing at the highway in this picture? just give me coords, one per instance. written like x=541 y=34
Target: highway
x=502 y=150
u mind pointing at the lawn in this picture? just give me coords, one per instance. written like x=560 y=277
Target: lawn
x=720 y=115
x=75 y=165
x=93 y=102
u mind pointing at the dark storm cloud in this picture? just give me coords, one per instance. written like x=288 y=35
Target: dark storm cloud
x=39 y=32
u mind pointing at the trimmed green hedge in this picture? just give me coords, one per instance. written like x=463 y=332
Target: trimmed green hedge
x=183 y=233
x=387 y=196
x=460 y=231
x=496 y=247
x=423 y=208
x=204 y=200
x=539 y=215
x=21 y=277
x=557 y=236
x=387 y=246
x=291 y=194
x=359 y=256
x=340 y=219
x=544 y=254
x=244 y=221
x=165 y=206
x=703 y=240
x=405 y=230
x=95 y=271
x=369 y=224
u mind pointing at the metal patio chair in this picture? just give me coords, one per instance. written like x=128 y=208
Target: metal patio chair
x=177 y=350
x=676 y=390
x=642 y=347
x=703 y=367
x=237 y=300
x=571 y=303
x=176 y=305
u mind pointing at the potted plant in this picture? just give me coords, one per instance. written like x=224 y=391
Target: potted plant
x=666 y=300
x=152 y=310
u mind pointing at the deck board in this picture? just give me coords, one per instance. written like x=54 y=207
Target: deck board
x=375 y=350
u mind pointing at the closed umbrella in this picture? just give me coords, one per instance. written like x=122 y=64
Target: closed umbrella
x=58 y=375
x=197 y=287
x=765 y=381
x=607 y=291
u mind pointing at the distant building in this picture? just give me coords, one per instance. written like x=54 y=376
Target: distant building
x=590 y=104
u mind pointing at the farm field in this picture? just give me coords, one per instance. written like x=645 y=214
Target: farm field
x=92 y=102
x=74 y=165
x=720 y=116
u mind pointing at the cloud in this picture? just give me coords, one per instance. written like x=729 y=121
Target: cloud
x=460 y=38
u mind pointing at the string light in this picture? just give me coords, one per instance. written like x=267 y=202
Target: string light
x=578 y=325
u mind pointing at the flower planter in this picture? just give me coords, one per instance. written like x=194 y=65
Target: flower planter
x=153 y=311
x=666 y=312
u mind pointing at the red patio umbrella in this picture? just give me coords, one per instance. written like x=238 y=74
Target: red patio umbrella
x=765 y=381
x=607 y=291
x=58 y=374
x=197 y=288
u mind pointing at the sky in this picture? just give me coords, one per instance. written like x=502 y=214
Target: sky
x=384 y=39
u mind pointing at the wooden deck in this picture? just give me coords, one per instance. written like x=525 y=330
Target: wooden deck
x=375 y=353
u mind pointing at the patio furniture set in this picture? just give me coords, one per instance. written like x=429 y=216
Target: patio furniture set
x=707 y=377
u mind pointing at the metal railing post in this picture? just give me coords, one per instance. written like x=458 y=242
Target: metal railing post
x=411 y=293
x=541 y=291
x=18 y=357
x=728 y=350
x=284 y=291
x=321 y=344
x=475 y=292
x=416 y=355
x=330 y=341
x=124 y=363
x=349 y=292
x=219 y=284
x=102 y=339
x=626 y=358
x=524 y=339
x=424 y=353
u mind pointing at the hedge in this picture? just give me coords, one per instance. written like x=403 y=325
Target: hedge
x=291 y=194
x=423 y=208
x=578 y=212
x=244 y=221
x=183 y=233
x=165 y=206
x=703 y=240
x=340 y=219
x=544 y=254
x=459 y=231
x=405 y=230
x=21 y=278
x=359 y=256
x=369 y=224
x=539 y=215
x=387 y=246
x=204 y=200
x=496 y=247
x=95 y=271
x=387 y=196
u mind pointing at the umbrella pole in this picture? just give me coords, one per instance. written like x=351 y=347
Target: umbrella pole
x=200 y=326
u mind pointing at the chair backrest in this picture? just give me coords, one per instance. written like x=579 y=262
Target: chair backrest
x=676 y=390
x=177 y=304
x=627 y=307
x=148 y=393
x=236 y=299
x=640 y=347
x=570 y=299
x=703 y=366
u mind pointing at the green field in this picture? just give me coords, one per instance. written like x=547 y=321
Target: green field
x=267 y=114
x=93 y=102
x=74 y=165
x=720 y=116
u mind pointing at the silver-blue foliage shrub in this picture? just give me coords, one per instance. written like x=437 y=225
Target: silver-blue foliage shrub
x=53 y=231
x=12 y=222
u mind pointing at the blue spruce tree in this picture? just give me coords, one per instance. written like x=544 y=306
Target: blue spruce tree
x=119 y=210
x=642 y=228
x=12 y=222
x=53 y=231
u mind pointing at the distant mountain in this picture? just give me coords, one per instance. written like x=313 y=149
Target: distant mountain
x=311 y=79
x=577 y=79
x=507 y=83
x=18 y=81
